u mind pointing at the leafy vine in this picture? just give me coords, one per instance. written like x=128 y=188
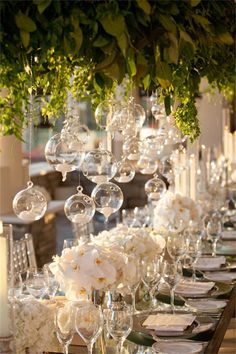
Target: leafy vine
x=88 y=47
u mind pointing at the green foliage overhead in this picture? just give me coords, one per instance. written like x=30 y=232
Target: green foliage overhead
x=88 y=47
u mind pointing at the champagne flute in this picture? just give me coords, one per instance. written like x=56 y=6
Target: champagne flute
x=151 y=278
x=64 y=326
x=194 y=251
x=172 y=273
x=119 y=323
x=89 y=323
x=214 y=230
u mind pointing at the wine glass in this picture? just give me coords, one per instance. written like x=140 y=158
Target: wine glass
x=194 y=246
x=133 y=286
x=50 y=282
x=151 y=277
x=35 y=283
x=176 y=246
x=172 y=273
x=89 y=323
x=214 y=230
x=119 y=323
x=64 y=326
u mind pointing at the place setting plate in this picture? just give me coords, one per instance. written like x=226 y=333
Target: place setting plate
x=173 y=347
x=207 y=305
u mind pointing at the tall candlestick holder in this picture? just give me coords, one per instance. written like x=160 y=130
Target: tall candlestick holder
x=6 y=277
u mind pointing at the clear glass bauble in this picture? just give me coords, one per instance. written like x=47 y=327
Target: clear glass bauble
x=152 y=145
x=99 y=166
x=104 y=113
x=147 y=165
x=125 y=171
x=166 y=168
x=108 y=198
x=79 y=208
x=155 y=188
x=131 y=149
x=30 y=204
x=61 y=154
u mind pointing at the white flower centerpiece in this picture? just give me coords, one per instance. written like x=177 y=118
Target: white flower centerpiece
x=89 y=266
x=138 y=243
x=173 y=213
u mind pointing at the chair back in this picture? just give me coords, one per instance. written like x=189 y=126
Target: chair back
x=24 y=254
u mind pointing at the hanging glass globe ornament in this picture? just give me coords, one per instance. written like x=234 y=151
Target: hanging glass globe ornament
x=147 y=165
x=166 y=168
x=104 y=113
x=153 y=145
x=158 y=111
x=60 y=153
x=99 y=166
x=79 y=208
x=155 y=188
x=131 y=149
x=108 y=198
x=125 y=172
x=30 y=204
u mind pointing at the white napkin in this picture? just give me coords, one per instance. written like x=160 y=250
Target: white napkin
x=169 y=322
x=207 y=263
x=186 y=288
x=220 y=276
x=229 y=235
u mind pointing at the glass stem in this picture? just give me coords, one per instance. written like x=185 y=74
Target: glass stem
x=90 y=347
x=133 y=292
x=120 y=346
x=214 y=249
x=172 y=299
x=65 y=349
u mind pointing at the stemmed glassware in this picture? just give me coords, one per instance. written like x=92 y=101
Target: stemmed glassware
x=214 y=230
x=133 y=287
x=176 y=246
x=51 y=284
x=64 y=326
x=172 y=273
x=151 y=278
x=194 y=246
x=89 y=323
x=119 y=323
x=35 y=283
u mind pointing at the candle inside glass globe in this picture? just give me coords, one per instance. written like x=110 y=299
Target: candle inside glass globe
x=30 y=204
x=108 y=198
x=99 y=166
x=79 y=208
x=125 y=171
x=155 y=188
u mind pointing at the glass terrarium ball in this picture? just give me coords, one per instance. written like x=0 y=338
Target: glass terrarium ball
x=155 y=188
x=61 y=154
x=108 y=198
x=125 y=171
x=131 y=149
x=30 y=204
x=147 y=165
x=104 y=112
x=79 y=208
x=99 y=166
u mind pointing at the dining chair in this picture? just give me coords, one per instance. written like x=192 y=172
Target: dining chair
x=24 y=254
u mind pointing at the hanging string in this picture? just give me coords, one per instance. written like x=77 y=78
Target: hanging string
x=30 y=113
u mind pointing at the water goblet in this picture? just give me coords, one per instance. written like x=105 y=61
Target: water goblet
x=35 y=283
x=89 y=323
x=119 y=323
x=214 y=230
x=151 y=277
x=194 y=246
x=64 y=326
x=172 y=273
